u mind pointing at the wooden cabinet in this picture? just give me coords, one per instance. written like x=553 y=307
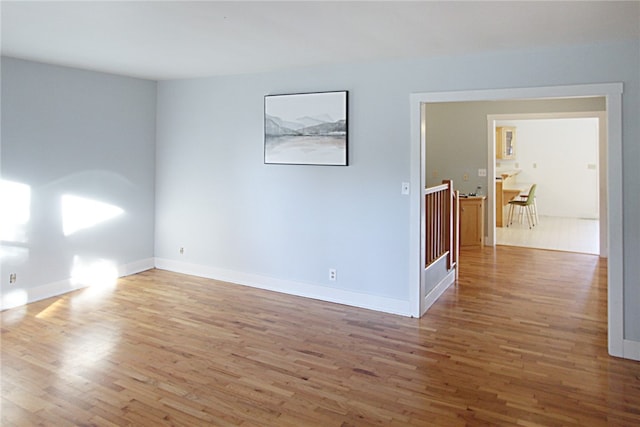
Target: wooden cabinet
x=505 y=143
x=472 y=221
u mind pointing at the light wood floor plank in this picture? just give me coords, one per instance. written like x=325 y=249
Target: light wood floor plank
x=555 y=233
x=519 y=340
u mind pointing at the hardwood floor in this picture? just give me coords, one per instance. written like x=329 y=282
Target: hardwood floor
x=519 y=340
x=555 y=233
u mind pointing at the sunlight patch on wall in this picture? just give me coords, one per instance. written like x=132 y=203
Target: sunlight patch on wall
x=79 y=213
x=15 y=253
x=96 y=273
x=16 y=210
x=14 y=299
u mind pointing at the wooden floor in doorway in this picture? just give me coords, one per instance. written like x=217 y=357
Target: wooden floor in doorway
x=519 y=340
x=555 y=233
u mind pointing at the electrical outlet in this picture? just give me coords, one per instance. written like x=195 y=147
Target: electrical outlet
x=333 y=274
x=405 y=188
x=482 y=172
x=465 y=177
x=13 y=277
x=181 y=250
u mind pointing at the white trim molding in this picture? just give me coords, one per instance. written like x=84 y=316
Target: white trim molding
x=613 y=94
x=306 y=290
x=438 y=290
x=136 y=267
x=18 y=296
x=631 y=350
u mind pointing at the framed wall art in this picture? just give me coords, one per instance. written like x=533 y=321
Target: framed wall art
x=306 y=129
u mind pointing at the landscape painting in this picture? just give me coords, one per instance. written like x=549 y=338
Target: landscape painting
x=306 y=129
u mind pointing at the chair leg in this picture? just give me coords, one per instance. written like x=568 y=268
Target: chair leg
x=530 y=217
x=535 y=210
x=510 y=216
x=520 y=214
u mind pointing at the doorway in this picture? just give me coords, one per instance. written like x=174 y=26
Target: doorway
x=613 y=96
x=565 y=154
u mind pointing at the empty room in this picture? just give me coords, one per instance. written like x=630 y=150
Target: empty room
x=220 y=213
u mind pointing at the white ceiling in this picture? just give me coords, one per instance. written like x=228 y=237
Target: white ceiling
x=180 y=39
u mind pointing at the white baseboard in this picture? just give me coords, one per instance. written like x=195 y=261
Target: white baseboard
x=18 y=297
x=631 y=350
x=136 y=267
x=438 y=290
x=324 y=293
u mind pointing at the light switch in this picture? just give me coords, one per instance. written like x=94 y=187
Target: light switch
x=482 y=172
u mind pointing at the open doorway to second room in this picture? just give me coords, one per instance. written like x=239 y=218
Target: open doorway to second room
x=560 y=154
x=453 y=135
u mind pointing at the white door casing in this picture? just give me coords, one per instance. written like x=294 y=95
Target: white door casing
x=613 y=94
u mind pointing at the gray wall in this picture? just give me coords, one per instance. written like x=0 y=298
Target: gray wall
x=456 y=135
x=69 y=131
x=216 y=198
x=87 y=134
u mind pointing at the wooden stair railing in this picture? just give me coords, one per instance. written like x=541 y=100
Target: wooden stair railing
x=442 y=210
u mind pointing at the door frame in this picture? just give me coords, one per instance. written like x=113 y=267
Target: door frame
x=613 y=95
